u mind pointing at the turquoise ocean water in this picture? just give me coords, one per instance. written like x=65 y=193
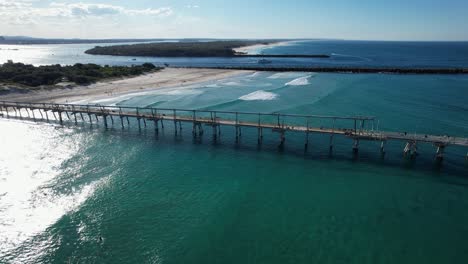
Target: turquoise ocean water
x=81 y=194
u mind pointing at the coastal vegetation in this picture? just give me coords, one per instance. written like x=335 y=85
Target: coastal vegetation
x=83 y=74
x=176 y=49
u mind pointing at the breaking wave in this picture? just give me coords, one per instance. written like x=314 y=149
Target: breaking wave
x=285 y=75
x=255 y=74
x=232 y=84
x=299 y=81
x=259 y=96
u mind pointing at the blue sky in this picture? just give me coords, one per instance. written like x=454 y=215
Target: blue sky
x=343 y=19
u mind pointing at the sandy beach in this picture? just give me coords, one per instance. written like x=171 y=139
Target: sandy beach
x=253 y=49
x=169 y=77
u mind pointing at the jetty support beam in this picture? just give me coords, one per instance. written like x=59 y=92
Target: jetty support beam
x=411 y=149
x=356 y=145
x=382 y=147
x=440 y=152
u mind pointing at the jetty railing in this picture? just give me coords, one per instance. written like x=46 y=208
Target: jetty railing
x=357 y=128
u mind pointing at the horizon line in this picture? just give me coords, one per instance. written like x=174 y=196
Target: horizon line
x=211 y=38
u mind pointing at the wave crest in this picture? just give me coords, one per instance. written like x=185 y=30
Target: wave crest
x=299 y=81
x=259 y=96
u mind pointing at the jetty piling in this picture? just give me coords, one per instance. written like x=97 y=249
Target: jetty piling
x=382 y=147
x=332 y=134
x=306 y=145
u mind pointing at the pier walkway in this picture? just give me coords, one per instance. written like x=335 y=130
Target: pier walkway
x=357 y=128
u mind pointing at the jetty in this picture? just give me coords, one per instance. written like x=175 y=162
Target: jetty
x=356 y=128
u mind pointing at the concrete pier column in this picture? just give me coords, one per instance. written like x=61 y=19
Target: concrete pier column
x=34 y=117
x=282 y=139
x=90 y=118
x=215 y=134
x=128 y=121
x=382 y=148
x=112 y=120
x=47 y=116
x=260 y=136
x=175 y=121
x=76 y=121
x=156 y=126
x=407 y=148
x=356 y=145
x=144 y=122
x=410 y=149
x=60 y=117
x=105 y=120
x=440 y=153
x=121 y=122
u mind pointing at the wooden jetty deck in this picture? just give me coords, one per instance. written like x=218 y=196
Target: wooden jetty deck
x=357 y=128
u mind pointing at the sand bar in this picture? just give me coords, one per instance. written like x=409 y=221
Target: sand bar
x=253 y=49
x=169 y=77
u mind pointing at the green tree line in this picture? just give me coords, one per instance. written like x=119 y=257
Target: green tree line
x=29 y=75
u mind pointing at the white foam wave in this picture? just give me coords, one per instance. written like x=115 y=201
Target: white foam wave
x=255 y=74
x=286 y=75
x=232 y=84
x=259 y=96
x=299 y=81
x=183 y=92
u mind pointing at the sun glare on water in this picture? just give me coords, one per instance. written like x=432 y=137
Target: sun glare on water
x=31 y=159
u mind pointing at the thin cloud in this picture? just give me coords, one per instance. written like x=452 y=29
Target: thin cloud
x=9 y=10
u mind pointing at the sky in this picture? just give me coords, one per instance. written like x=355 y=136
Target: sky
x=331 y=19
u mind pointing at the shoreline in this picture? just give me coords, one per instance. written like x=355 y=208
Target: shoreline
x=166 y=78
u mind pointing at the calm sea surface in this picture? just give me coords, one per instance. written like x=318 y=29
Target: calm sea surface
x=81 y=194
